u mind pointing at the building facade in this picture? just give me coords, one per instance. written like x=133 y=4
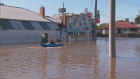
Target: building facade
x=19 y=25
x=122 y=28
x=76 y=26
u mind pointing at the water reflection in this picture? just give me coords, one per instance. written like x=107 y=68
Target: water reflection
x=43 y=66
x=73 y=57
x=96 y=60
x=79 y=53
x=112 y=68
x=76 y=60
x=138 y=51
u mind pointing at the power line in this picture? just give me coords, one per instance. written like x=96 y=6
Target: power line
x=91 y=5
x=116 y=17
x=134 y=3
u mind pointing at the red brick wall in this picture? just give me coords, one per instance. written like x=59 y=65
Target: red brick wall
x=64 y=20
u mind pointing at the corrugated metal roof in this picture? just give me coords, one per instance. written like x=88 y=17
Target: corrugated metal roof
x=6 y=24
x=55 y=19
x=53 y=26
x=9 y=12
x=44 y=25
x=17 y=25
x=36 y=25
x=15 y=18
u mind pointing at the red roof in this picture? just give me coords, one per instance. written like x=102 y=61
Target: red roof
x=125 y=25
x=122 y=25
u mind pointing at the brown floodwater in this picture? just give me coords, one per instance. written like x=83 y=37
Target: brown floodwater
x=75 y=60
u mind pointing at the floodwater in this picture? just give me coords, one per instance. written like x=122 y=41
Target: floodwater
x=75 y=60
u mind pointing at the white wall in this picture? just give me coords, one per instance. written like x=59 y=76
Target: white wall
x=25 y=36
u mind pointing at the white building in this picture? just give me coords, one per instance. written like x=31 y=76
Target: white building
x=19 y=25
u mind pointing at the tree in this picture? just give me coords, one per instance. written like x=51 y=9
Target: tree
x=137 y=20
x=120 y=21
x=104 y=25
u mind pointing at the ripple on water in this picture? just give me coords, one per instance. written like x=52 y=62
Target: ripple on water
x=75 y=60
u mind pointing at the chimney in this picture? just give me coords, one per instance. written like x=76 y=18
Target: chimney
x=64 y=20
x=42 y=11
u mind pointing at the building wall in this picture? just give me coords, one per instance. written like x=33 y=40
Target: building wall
x=26 y=36
x=121 y=32
x=79 y=23
x=139 y=30
x=105 y=31
x=7 y=24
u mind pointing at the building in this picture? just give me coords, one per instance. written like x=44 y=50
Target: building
x=76 y=26
x=80 y=26
x=122 y=28
x=138 y=26
x=19 y=25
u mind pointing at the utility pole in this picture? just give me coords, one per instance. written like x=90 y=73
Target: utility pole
x=0 y=8
x=95 y=18
x=112 y=43
x=112 y=68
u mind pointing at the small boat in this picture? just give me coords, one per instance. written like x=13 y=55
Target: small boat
x=51 y=45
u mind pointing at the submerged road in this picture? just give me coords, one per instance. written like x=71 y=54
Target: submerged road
x=75 y=60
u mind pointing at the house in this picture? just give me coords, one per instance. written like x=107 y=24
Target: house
x=19 y=25
x=122 y=28
x=138 y=26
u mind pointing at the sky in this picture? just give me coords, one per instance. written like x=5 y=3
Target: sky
x=124 y=8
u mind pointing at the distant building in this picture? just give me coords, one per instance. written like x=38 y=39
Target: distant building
x=122 y=28
x=138 y=26
x=76 y=26
x=19 y=25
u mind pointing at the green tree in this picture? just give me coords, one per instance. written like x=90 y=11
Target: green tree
x=120 y=21
x=137 y=20
x=104 y=25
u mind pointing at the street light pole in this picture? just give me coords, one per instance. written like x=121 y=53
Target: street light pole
x=95 y=18
x=112 y=43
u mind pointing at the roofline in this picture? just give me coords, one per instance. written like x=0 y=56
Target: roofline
x=20 y=8
x=28 y=20
x=51 y=20
x=20 y=20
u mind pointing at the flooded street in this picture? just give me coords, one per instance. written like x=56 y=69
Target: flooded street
x=75 y=60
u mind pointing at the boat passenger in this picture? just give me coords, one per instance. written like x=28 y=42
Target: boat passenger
x=51 y=42
x=58 y=41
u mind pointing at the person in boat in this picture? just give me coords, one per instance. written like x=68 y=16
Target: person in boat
x=58 y=41
x=51 y=42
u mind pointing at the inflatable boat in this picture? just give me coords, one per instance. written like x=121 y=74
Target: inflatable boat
x=51 y=45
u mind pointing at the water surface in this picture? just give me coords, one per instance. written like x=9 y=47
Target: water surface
x=76 y=60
